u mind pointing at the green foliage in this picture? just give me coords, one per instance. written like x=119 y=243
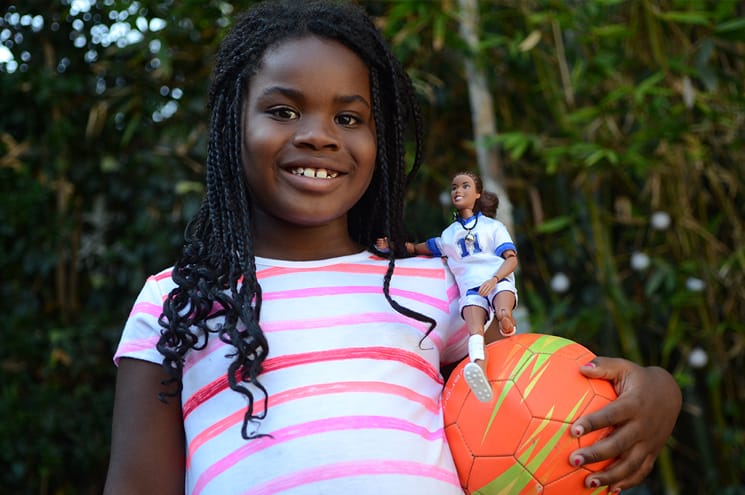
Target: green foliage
x=101 y=143
x=613 y=117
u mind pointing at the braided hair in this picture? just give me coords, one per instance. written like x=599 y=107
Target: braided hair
x=488 y=203
x=216 y=274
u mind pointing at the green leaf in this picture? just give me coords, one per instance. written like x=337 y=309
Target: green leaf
x=697 y=18
x=555 y=224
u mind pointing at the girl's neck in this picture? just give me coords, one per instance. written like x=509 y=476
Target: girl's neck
x=284 y=241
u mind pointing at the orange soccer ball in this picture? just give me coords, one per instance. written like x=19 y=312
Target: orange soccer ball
x=519 y=443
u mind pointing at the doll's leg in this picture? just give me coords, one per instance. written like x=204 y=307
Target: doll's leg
x=504 y=302
x=475 y=371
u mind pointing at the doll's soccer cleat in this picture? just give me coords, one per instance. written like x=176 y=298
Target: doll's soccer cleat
x=476 y=380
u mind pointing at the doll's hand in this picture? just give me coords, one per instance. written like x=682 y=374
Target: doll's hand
x=487 y=287
x=643 y=418
x=382 y=244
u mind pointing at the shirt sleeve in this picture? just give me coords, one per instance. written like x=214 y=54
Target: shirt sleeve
x=435 y=246
x=503 y=240
x=142 y=330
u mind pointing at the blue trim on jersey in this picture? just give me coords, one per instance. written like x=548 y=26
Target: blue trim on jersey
x=432 y=246
x=504 y=247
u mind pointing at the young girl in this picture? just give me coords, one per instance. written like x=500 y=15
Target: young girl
x=482 y=257
x=288 y=357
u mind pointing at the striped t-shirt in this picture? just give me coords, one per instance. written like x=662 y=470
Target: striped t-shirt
x=354 y=391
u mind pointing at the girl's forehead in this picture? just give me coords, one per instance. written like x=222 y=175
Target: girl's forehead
x=303 y=43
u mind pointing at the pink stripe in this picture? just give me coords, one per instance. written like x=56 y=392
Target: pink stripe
x=443 y=306
x=453 y=293
x=220 y=426
x=319 y=323
x=312 y=428
x=354 y=468
x=135 y=346
x=273 y=364
x=352 y=319
x=437 y=273
x=162 y=275
x=147 y=308
x=356 y=289
x=459 y=336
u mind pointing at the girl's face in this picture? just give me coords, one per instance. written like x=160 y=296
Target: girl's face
x=309 y=142
x=463 y=192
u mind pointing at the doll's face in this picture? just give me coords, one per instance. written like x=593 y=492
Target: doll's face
x=463 y=193
x=309 y=142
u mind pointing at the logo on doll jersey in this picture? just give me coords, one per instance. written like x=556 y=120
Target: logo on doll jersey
x=469 y=245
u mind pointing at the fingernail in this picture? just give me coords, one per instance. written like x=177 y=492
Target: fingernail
x=594 y=483
x=578 y=460
x=589 y=365
x=578 y=431
x=616 y=490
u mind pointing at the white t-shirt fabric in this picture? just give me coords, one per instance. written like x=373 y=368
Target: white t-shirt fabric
x=354 y=391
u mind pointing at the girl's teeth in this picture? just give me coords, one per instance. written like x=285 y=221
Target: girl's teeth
x=320 y=173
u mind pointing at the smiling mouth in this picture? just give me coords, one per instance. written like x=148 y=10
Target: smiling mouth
x=317 y=173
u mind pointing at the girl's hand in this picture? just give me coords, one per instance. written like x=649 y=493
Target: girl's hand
x=643 y=418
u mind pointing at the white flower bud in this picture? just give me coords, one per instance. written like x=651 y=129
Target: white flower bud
x=660 y=220
x=698 y=358
x=560 y=283
x=639 y=261
x=694 y=284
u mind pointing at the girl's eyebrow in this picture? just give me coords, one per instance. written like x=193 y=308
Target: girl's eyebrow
x=297 y=95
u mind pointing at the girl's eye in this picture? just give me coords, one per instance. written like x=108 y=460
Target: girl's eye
x=284 y=113
x=348 y=120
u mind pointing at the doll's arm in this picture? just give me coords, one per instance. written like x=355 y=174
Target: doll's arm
x=509 y=265
x=643 y=418
x=417 y=248
x=383 y=245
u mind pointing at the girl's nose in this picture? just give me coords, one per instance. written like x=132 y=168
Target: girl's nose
x=316 y=133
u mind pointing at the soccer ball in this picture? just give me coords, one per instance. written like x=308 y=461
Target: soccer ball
x=519 y=443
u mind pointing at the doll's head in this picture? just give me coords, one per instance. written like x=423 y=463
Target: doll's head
x=488 y=202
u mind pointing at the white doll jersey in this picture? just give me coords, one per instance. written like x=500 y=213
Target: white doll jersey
x=354 y=392
x=472 y=263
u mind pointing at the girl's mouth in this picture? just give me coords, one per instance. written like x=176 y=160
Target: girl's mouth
x=318 y=173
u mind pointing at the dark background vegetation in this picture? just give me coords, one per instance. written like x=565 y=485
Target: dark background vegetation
x=622 y=148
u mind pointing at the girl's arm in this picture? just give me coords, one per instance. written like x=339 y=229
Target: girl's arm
x=147 y=444
x=643 y=418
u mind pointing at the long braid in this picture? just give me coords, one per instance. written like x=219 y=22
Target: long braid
x=216 y=274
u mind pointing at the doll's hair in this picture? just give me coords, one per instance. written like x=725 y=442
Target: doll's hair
x=216 y=274
x=488 y=203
